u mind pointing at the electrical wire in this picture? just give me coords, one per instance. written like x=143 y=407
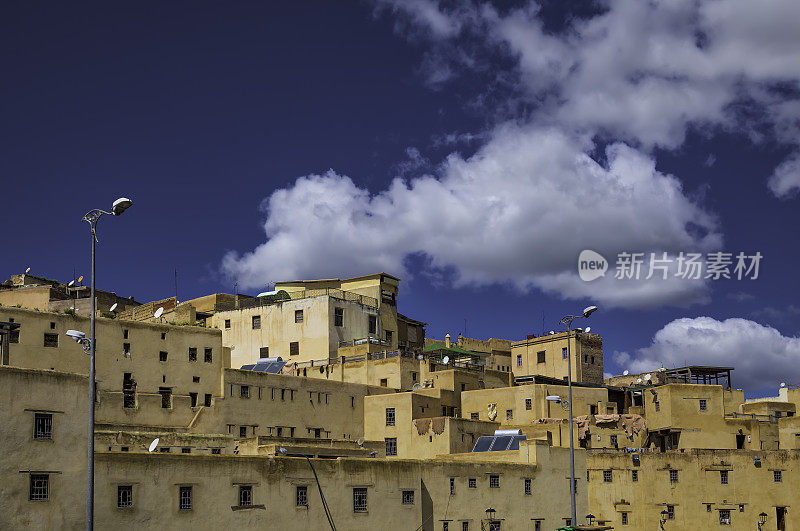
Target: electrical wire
x=321 y=495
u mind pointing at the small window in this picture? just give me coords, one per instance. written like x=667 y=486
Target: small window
x=243 y=431
x=207 y=401
x=216 y=451
x=708 y=507
x=673 y=476
x=51 y=340
x=227 y=323
x=634 y=475
x=338 y=317
x=465 y=526
x=528 y=404
x=208 y=355
x=472 y=483
x=445 y=526
x=301 y=496
x=162 y=356
x=164 y=449
x=390 y=418
x=413 y=376
x=373 y=324
x=724 y=517
x=391 y=446
x=193 y=399
x=777 y=476
x=624 y=518
x=408 y=497
x=527 y=484
x=613 y=440
x=509 y=414
x=564 y=353
x=186 y=450
x=452 y=486
x=658 y=405
x=245 y=496
x=723 y=477
x=192 y=353
x=670 y=512
x=195 y=379
x=126 y=349
x=519 y=360
x=163 y=336
x=124 y=334
x=384 y=382
x=473 y=415
x=494 y=481
x=592 y=358
x=263 y=352
x=166 y=397
x=124 y=496
x=40 y=487
x=389 y=336
x=245 y=391
x=360 y=500
x=298 y=316
x=294 y=348
x=185 y=498
x=703 y=404
x=741 y=507
x=256 y=322
x=42 y=426
x=607 y=476
x=540 y=356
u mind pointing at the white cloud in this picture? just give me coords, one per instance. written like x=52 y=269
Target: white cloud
x=518 y=212
x=785 y=181
x=762 y=356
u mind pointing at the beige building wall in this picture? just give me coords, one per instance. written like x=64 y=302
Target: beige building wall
x=586 y=353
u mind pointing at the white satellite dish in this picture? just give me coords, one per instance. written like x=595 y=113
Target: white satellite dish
x=360 y=442
x=71 y=282
x=552 y=332
x=159 y=312
x=783 y=384
x=624 y=373
x=421 y=357
x=638 y=380
x=588 y=329
x=445 y=360
x=155 y=443
x=114 y=307
x=647 y=377
x=27 y=269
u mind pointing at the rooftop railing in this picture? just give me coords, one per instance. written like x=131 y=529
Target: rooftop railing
x=257 y=302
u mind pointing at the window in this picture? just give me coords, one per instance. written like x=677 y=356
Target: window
x=294 y=348
x=519 y=360
x=163 y=336
x=208 y=355
x=185 y=498
x=464 y=526
x=472 y=483
x=452 y=486
x=360 y=500
x=537 y=525
x=564 y=353
x=708 y=507
x=338 y=317
x=51 y=340
x=227 y=323
x=256 y=322
x=703 y=404
x=42 y=426
x=124 y=334
x=164 y=449
x=298 y=316
x=245 y=496
x=384 y=382
x=243 y=431
x=162 y=356
x=634 y=475
x=390 y=416
x=528 y=404
x=40 y=487
x=540 y=356
x=607 y=477
x=389 y=336
x=193 y=399
x=166 y=397
x=673 y=476
x=124 y=496
x=670 y=512
x=723 y=477
x=724 y=517
x=245 y=391
x=741 y=507
x=509 y=414
x=613 y=440
x=216 y=451
x=207 y=401
x=494 y=481
x=391 y=446
x=624 y=517
x=301 y=496
x=473 y=415
x=408 y=497
x=186 y=450
x=494 y=526
x=129 y=398
x=126 y=349
x=192 y=353
x=445 y=526
x=658 y=405
x=777 y=476
x=527 y=483
x=373 y=324
x=592 y=360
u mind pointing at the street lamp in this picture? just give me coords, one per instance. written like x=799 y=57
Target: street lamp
x=567 y=320
x=92 y=217
x=590 y=517
x=762 y=519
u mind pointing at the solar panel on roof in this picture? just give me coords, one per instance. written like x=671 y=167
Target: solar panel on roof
x=500 y=443
x=483 y=444
x=247 y=367
x=272 y=367
x=515 y=442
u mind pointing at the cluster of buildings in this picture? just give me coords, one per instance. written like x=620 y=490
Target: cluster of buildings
x=318 y=405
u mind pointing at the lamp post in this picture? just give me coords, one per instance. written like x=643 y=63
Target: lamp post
x=92 y=217
x=590 y=517
x=567 y=320
x=762 y=519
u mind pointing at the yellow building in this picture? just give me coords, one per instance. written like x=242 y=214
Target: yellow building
x=547 y=356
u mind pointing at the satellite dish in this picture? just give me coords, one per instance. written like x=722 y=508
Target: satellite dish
x=153 y=445
x=638 y=380
x=80 y=278
x=114 y=307
x=27 y=269
x=552 y=332
x=159 y=312
x=647 y=377
x=446 y=359
x=588 y=329
x=624 y=373
x=783 y=384
x=71 y=282
x=360 y=442
x=420 y=357
x=416 y=386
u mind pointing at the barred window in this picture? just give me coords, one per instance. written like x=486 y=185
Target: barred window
x=360 y=500
x=227 y=323
x=472 y=483
x=256 y=322
x=723 y=477
x=301 y=497
x=408 y=497
x=166 y=397
x=613 y=440
x=724 y=517
x=298 y=316
x=624 y=518
x=634 y=475
x=42 y=426
x=192 y=353
x=245 y=391
x=185 y=498
x=338 y=317
x=473 y=416
x=294 y=348
x=703 y=404
x=51 y=340
x=670 y=512
x=162 y=356
x=527 y=486
x=208 y=355
x=40 y=487
x=452 y=486
x=391 y=446
x=509 y=414
x=245 y=496
x=607 y=477
x=777 y=476
x=207 y=402
x=673 y=476
x=390 y=416
x=540 y=356
x=124 y=496
x=494 y=481
x=528 y=404
x=564 y=354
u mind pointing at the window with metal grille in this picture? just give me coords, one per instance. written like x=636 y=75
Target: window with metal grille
x=256 y=322
x=208 y=355
x=658 y=405
x=391 y=446
x=634 y=475
x=51 y=340
x=527 y=483
x=519 y=360
x=390 y=416
x=42 y=426
x=509 y=414
x=373 y=324
x=613 y=440
x=494 y=526
x=777 y=476
x=216 y=451
x=624 y=518
x=494 y=481
x=703 y=405
x=338 y=317
x=185 y=498
x=301 y=497
x=528 y=404
x=607 y=476
x=243 y=431
x=723 y=477
x=389 y=336
x=192 y=353
x=673 y=476
x=245 y=496
x=124 y=496
x=359 y=499
x=126 y=349
x=537 y=525
x=294 y=348
x=227 y=323
x=464 y=526
x=540 y=356
x=245 y=391
x=724 y=517
x=472 y=483
x=162 y=356
x=408 y=497
x=452 y=486
x=40 y=487
x=473 y=416
x=166 y=397
x=564 y=353
x=670 y=512
x=445 y=526
x=298 y=316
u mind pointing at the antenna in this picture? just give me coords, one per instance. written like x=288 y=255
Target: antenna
x=159 y=312
x=113 y=307
x=153 y=445
x=176 y=285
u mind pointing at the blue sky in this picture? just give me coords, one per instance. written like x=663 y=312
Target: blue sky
x=474 y=149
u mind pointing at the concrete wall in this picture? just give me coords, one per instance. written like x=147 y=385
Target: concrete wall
x=586 y=353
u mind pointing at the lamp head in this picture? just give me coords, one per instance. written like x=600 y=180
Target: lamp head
x=589 y=310
x=121 y=205
x=77 y=335
x=553 y=398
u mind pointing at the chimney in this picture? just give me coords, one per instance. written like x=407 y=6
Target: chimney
x=447 y=341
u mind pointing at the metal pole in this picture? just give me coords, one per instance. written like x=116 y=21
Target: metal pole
x=92 y=394
x=574 y=520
